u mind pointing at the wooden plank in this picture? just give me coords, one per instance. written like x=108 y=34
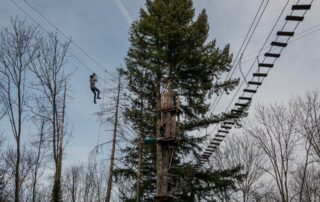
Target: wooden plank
x=245 y=98
x=215 y=143
x=226 y=127
x=216 y=139
x=280 y=44
x=236 y=111
x=285 y=33
x=301 y=7
x=265 y=65
x=242 y=104
x=260 y=74
x=211 y=150
x=233 y=116
x=255 y=83
x=295 y=18
x=274 y=55
x=222 y=136
x=228 y=123
x=249 y=90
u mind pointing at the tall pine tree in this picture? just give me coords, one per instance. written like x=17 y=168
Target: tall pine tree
x=169 y=44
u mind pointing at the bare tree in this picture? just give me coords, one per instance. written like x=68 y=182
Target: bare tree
x=72 y=183
x=94 y=181
x=242 y=150
x=86 y=182
x=306 y=183
x=39 y=152
x=52 y=87
x=26 y=165
x=19 y=45
x=274 y=129
x=308 y=109
x=2 y=172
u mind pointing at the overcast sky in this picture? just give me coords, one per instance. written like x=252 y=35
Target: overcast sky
x=100 y=27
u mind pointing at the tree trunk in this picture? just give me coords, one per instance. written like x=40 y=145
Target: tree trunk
x=141 y=137
x=159 y=147
x=17 y=174
x=115 y=128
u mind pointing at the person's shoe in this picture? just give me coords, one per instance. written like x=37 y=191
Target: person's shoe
x=99 y=98
x=94 y=102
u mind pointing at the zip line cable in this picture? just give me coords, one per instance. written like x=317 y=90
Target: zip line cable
x=311 y=29
x=258 y=55
x=265 y=58
x=303 y=34
x=201 y=162
x=265 y=42
x=102 y=104
x=45 y=30
x=65 y=35
x=297 y=37
x=244 y=44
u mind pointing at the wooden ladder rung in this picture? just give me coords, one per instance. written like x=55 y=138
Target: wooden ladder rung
x=242 y=104
x=222 y=136
x=211 y=150
x=275 y=55
x=226 y=127
x=213 y=147
x=235 y=111
x=265 y=65
x=245 y=98
x=294 y=18
x=223 y=131
x=214 y=143
x=254 y=83
x=216 y=139
x=301 y=7
x=284 y=33
x=228 y=123
x=281 y=44
x=233 y=116
x=249 y=90
x=260 y=74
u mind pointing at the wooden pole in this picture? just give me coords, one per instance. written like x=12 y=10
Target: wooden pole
x=165 y=138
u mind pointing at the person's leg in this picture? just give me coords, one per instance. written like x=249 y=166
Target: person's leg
x=98 y=96
x=94 y=95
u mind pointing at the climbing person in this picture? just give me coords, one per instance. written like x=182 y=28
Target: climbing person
x=94 y=89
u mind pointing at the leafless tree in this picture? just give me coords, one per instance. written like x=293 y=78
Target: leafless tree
x=308 y=109
x=52 y=87
x=94 y=181
x=241 y=149
x=26 y=165
x=19 y=45
x=72 y=183
x=86 y=182
x=2 y=172
x=274 y=130
x=40 y=149
x=306 y=183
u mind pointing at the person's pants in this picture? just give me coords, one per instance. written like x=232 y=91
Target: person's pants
x=96 y=93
